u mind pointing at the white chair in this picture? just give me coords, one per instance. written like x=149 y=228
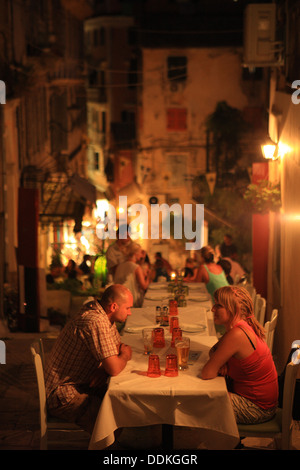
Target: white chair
x=270 y=329
x=49 y=423
x=260 y=309
x=282 y=423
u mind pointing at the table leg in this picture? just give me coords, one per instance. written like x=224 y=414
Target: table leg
x=167 y=436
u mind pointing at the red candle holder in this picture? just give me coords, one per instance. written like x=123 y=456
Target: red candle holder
x=176 y=333
x=171 y=365
x=174 y=323
x=158 y=338
x=173 y=307
x=153 y=366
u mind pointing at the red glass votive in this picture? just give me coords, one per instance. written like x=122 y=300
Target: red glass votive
x=153 y=366
x=174 y=323
x=173 y=307
x=158 y=338
x=171 y=365
x=176 y=333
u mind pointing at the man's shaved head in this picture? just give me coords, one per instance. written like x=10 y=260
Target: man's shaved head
x=115 y=293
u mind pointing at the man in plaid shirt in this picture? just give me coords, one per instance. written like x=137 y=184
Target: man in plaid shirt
x=86 y=353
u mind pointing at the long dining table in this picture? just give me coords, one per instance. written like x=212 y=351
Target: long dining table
x=133 y=399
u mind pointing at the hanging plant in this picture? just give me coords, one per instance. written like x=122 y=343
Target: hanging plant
x=263 y=197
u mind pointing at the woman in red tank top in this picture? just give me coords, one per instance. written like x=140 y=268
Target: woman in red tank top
x=243 y=356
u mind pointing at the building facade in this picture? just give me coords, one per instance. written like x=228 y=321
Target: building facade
x=43 y=139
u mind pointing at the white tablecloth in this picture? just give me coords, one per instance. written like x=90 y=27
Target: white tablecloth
x=191 y=319
x=198 y=307
x=158 y=294
x=133 y=399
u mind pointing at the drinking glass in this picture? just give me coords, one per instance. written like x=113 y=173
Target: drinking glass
x=182 y=346
x=153 y=366
x=158 y=338
x=148 y=340
x=171 y=365
x=174 y=323
x=173 y=310
x=176 y=333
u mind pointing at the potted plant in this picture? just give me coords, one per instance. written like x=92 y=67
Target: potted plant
x=263 y=196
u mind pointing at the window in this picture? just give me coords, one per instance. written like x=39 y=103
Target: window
x=132 y=73
x=96 y=161
x=177 y=68
x=103 y=121
x=176 y=119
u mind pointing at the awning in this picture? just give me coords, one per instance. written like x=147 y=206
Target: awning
x=63 y=197
x=83 y=188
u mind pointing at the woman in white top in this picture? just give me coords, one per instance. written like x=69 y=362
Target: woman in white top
x=131 y=274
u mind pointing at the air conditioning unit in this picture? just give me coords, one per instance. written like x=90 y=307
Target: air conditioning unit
x=260 y=46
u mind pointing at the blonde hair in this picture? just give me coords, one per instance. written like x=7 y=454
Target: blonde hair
x=131 y=249
x=207 y=254
x=238 y=301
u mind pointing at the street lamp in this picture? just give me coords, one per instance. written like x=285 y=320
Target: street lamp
x=272 y=151
x=269 y=150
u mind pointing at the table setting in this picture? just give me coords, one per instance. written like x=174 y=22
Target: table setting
x=162 y=383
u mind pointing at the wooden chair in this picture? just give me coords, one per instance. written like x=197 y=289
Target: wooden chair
x=270 y=329
x=49 y=423
x=282 y=423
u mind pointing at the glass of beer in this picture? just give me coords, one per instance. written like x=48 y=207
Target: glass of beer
x=182 y=346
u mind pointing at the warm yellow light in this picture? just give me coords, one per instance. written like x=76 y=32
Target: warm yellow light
x=272 y=151
x=102 y=208
x=292 y=217
x=269 y=151
x=85 y=242
x=283 y=149
x=121 y=210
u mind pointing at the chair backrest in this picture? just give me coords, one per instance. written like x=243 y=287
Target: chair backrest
x=252 y=291
x=256 y=301
x=260 y=309
x=288 y=401
x=270 y=329
x=38 y=363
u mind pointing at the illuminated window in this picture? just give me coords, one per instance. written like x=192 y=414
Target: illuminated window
x=176 y=119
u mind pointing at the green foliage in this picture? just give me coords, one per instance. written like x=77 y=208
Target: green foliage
x=263 y=197
x=56 y=261
x=229 y=205
x=227 y=126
